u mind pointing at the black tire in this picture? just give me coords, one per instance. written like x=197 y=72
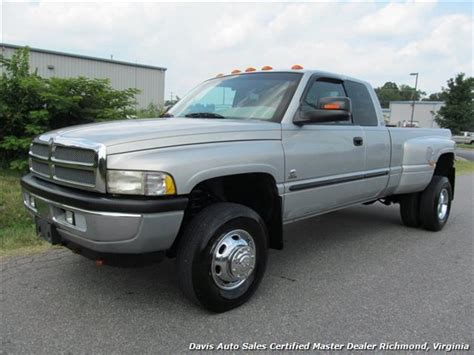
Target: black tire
x=430 y=197
x=195 y=255
x=410 y=210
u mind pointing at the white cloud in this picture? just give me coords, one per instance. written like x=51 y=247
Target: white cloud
x=1 y=22
x=395 y=19
x=376 y=42
x=449 y=34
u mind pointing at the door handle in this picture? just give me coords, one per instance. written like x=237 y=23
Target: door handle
x=358 y=141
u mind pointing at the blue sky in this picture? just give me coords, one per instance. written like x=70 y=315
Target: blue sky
x=375 y=41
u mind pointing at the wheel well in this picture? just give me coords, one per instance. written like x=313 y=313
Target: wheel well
x=445 y=167
x=257 y=191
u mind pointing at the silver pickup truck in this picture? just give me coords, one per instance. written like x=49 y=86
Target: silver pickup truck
x=214 y=180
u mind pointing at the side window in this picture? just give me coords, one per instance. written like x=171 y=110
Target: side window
x=363 y=110
x=320 y=89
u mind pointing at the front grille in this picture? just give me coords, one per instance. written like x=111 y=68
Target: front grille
x=86 y=177
x=85 y=156
x=40 y=167
x=40 y=150
x=71 y=165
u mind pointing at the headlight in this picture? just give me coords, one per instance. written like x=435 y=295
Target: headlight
x=147 y=183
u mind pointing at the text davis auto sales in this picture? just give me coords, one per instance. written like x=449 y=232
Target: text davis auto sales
x=294 y=346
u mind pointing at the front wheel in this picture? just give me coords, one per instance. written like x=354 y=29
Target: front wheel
x=222 y=256
x=435 y=203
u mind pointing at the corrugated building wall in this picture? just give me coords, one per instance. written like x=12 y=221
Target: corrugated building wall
x=150 y=80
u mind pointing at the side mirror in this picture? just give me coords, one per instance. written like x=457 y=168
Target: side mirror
x=330 y=109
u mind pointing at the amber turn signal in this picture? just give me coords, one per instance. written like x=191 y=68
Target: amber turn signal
x=331 y=106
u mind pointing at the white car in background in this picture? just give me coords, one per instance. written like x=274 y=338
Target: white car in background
x=465 y=138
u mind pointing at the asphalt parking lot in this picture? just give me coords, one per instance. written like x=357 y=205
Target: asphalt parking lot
x=355 y=275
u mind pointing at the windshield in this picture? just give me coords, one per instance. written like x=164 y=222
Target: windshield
x=261 y=96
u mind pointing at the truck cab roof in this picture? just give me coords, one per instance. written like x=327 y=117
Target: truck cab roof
x=308 y=72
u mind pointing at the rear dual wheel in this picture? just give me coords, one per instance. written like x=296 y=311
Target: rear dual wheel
x=410 y=209
x=429 y=209
x=435 y=203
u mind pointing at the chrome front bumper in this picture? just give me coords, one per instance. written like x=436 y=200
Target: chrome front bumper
x=102 y=231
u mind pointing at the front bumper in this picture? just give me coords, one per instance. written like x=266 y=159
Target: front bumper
x=103 y=223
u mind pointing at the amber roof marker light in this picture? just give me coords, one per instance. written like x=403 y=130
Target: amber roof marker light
x=250 y=69
x=297 y=67
x=267 y=67
x=219 y=75
x=235 y=71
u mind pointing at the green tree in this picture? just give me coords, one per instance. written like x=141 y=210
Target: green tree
x=30 y=105
x=172 y=102
x=407 y=92
x=390 y=91
x=386 y=93
x=436 y=96
x=22 y=108
x=151 y=111
x=457 y=114
x=79 y=100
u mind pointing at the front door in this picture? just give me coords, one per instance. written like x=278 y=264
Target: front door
x=323 y=162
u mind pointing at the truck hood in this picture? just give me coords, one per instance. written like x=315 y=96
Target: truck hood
x=131 y=135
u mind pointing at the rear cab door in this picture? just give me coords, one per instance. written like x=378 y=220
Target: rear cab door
x=367 y=114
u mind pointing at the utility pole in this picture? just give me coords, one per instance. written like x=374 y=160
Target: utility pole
x=413 y=97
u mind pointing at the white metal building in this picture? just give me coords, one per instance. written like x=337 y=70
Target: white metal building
x=150 y=80
x=424 y=114
x=386 y=115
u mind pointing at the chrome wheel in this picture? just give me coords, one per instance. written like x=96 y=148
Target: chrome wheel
x=233 y=259
x=443 y=203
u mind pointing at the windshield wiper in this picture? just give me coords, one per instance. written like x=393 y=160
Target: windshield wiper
x=166 y=114
x=204 y=115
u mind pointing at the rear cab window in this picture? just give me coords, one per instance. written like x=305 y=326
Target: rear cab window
x=363 y=110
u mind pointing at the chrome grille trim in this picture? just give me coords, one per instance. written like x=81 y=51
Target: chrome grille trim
x=81 y=163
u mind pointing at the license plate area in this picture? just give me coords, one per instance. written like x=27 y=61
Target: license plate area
x=47 y=231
